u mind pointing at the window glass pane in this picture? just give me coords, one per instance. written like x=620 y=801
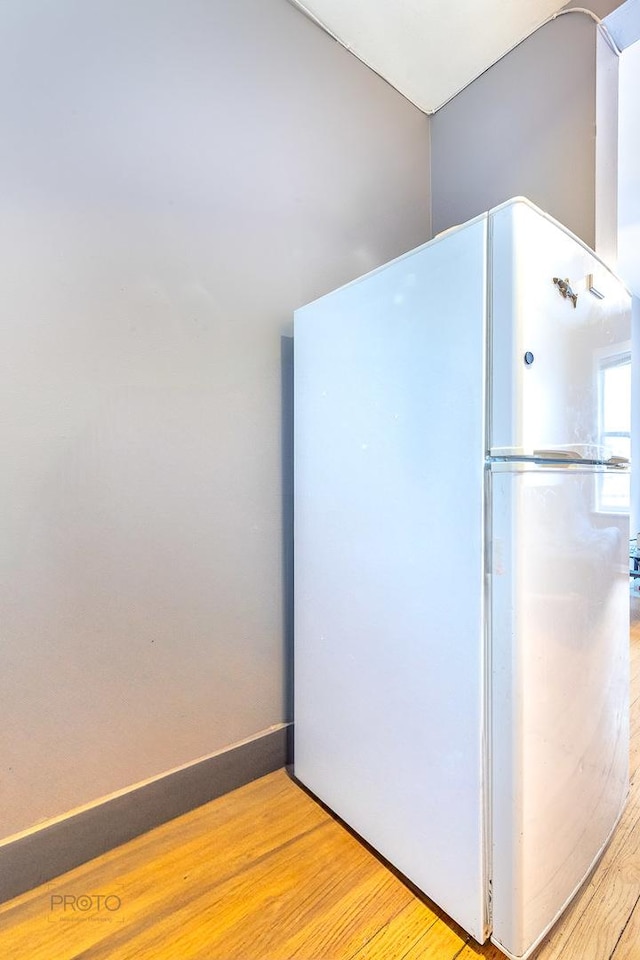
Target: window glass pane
x=616 y=405
x=614 y=492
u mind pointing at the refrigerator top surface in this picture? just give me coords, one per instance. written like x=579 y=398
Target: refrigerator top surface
x=512 y=202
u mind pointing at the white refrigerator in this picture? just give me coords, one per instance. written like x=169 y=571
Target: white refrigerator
x=461 y=570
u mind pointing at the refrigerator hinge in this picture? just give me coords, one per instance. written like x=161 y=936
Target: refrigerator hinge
x=489 y=909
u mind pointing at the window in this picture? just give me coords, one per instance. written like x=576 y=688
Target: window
x=614 y=415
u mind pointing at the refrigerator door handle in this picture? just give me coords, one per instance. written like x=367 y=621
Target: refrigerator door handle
x=557 y=455
x=593 y=289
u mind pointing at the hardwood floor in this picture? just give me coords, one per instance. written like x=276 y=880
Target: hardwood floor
x=265 y=873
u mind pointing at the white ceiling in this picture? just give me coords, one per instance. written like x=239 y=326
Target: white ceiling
x=429 y=49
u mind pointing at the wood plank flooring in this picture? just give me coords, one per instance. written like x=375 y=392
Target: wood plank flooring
x=265 y=873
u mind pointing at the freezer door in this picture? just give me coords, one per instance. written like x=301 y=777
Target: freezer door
x=560 y=640
x=550 y=341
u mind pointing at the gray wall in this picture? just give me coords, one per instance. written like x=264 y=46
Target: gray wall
x=525 y=127
x=177 y=178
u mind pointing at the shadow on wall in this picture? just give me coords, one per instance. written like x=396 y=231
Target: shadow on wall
x=286 y=366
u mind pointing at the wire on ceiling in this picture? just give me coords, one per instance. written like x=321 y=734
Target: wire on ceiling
x=600 y=24
x=300 y=5
x=602 y=30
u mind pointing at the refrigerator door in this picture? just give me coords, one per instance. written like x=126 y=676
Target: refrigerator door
x=550 y=341
x=389 y=565
x=560 y=633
